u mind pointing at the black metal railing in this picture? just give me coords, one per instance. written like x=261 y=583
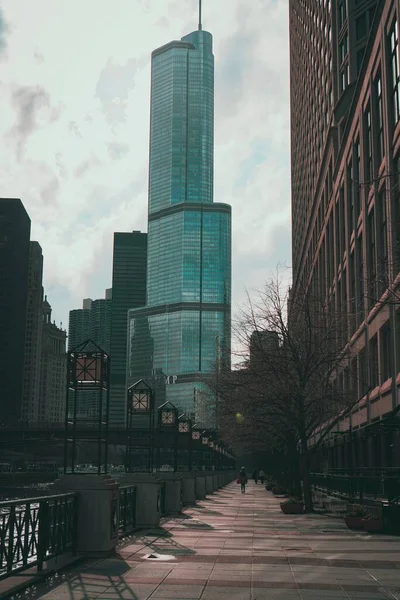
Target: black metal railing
x=34 y=530
x=356 y=487
x=127 y=510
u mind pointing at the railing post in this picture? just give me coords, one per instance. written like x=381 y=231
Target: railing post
x=43 y=533
x=11 y=527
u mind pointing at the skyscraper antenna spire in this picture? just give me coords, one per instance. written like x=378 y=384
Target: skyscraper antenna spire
x=200 y=23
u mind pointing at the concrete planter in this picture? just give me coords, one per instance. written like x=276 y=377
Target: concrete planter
x=292 y=508
x=355 y=523
x=372 y=525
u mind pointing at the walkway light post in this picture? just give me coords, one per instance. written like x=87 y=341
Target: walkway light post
x=204 y=441
x=168 y=432
x=140 y=403
x=196 y=441
x=87 y=406
x=185 y=433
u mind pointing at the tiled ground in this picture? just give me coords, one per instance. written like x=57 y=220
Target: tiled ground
x=241 y=547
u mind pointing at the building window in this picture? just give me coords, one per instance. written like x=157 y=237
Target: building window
x=396 y=214
x=342 y=12
x=356 y=179
x=368 y=145
x=373 y=362
x=386 y=352
x=352 y=293
x=383 y=242
x=361 y=26
x=350 y=198
x=363 y=375
x=371 y=259
x=379 y=119
x=342 y=229
x=395 y=75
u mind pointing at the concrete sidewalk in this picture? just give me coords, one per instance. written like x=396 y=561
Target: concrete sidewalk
x=236 y=546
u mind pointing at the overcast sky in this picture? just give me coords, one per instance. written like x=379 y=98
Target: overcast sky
x=74 y=126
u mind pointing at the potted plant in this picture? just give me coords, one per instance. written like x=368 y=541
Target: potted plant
x=372 y=523
x=278 y=490
x=269 y=485
x=355 y=515
x=292 y=506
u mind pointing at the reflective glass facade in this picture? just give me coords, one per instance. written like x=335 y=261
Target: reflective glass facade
x=185 y=325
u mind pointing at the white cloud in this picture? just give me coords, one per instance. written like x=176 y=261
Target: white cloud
x=74 y=123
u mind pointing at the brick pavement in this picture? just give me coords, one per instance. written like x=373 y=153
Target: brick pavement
x=241 y=547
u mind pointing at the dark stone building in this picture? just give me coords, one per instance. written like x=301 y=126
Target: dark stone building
x=128 y=291
x=15 y=227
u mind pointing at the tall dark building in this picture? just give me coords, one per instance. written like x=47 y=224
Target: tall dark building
x=345 y=130
x=128 y=291
x=187 y=317
x=15 y=227
x=33 y=336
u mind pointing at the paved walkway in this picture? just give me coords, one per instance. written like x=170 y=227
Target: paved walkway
x=241 y=547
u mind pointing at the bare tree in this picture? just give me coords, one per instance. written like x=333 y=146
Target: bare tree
x=287 y=389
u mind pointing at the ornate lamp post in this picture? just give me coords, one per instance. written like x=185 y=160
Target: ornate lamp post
x=87 y=405
x=185 y=428
x=140 y=402
x=168 y=431
x=205 y=441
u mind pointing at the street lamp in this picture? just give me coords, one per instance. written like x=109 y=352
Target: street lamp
x=167 y=430
x=140 y=401
x=185 y=428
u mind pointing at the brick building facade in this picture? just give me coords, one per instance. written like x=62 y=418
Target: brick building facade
x=345 y=104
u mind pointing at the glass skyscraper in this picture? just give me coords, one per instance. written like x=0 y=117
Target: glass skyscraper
x=184 y=329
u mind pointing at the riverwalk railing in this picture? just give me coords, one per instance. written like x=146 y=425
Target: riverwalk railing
x=127 y=509
x=34 y=530
x=356 y=487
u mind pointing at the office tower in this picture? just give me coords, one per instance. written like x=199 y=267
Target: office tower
x=128 y=291
x=186 y=320
x=79 y=326
x=15 y=226
x=100 y=323
x=345 y=120
x=92 y=322
x=33 y=336
x=53 y=371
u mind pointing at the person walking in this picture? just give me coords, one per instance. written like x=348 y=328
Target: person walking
x=242 y=479
x=261 y=476
x=255 y=475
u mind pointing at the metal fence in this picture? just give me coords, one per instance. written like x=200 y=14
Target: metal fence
x=34 y=530
x=356 y=487
x=127 y=510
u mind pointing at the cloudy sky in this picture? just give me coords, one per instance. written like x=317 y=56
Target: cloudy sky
x=74 y=125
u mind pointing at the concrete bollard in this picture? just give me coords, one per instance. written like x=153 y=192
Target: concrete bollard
x=200 y=485
x=148 y=511
x=215 y=481
x=98 y=512
x=188 y=489
x=209 y=483
x=173 y=491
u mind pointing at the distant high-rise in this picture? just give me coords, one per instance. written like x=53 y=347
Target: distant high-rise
x=53 y=370
x=186 y=321
x=78 y=326
x=93 y=321
x=15 y=226
x=128 y=291
x=33 y=336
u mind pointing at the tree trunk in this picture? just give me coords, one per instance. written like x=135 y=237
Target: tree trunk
x=294 y=472
x=308 y=501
